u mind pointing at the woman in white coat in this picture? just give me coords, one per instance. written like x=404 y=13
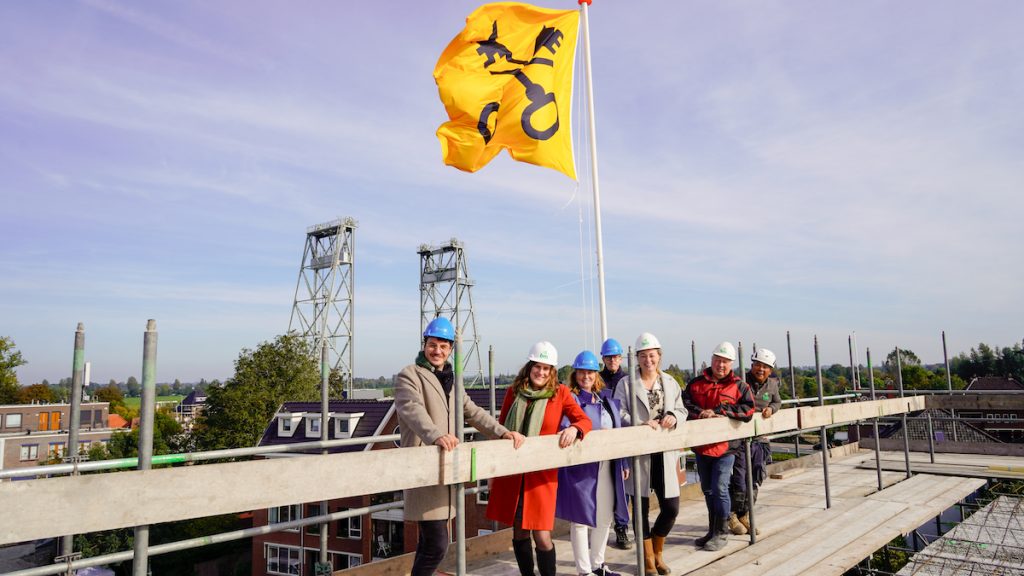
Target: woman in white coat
x=659 y=404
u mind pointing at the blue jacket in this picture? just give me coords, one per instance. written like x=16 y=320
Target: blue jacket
x=577 y=485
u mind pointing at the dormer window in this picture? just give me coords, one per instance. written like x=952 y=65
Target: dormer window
x=287 y=422
x=345 y=424
x=313 y=425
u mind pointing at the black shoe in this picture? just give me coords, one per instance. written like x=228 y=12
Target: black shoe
x=622 y=539
x=700 y=542
x=604 y=571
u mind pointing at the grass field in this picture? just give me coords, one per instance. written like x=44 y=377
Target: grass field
x=134 y=402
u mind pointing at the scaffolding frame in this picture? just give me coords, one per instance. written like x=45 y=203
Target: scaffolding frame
x=324 y=303
x=446 y=290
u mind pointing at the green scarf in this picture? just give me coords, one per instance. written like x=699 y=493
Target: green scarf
x=527 y=411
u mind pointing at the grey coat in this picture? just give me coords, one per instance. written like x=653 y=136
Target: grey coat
x=423 y=417
x=673 y=405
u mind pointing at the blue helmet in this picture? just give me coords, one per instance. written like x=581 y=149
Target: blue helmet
x=440 y=328
x=586 y=361
x=611 y=347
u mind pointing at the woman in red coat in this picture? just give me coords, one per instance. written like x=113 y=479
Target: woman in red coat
x=534 y=405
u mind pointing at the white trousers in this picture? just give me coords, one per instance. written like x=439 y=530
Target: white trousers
x=588 y=549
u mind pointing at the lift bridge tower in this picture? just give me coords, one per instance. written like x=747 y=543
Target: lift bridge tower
x=324 y=293
x=446 y=290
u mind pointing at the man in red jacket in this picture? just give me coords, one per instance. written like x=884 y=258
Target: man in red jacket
x=717 y=393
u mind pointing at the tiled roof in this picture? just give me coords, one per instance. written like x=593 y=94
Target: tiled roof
x=994 y=383
x=375 y=413
x=117 y=421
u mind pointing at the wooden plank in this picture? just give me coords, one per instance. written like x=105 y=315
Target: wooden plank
x=225 y=488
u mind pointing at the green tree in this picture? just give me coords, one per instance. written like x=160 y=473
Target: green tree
x=176 y=387
x=907 y=358
x=112 y=394
x=237 y=412
x=40 y=393
x=166 y=438
x=10 y=359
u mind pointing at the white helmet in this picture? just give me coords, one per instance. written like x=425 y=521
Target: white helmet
x=725 y=350
x=647 y=341
x=544 y=352
x=764 y=356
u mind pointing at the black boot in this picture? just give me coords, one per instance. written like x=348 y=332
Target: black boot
x=720 y=538
x=524 y=556
x=700 y=542
x=546 y=562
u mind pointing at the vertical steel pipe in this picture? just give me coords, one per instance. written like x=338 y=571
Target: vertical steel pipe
x=824 y=430
x=140 y=562
x=460 y=488
x=874 y=423
x=693 y=357
x=75 y=417
x=792 y=389
x=949 y=381
x=853 y=372
x=491 y=381
x=931 y=437
x=750 y=491
x=634 y=388
x=325 y=422
x=903 y=415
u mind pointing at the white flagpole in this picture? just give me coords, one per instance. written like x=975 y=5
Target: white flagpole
x=584 y=4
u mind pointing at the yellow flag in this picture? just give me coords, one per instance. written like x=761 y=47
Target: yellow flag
x=506 y=82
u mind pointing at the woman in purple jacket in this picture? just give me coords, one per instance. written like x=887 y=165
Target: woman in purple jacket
x=590 y=494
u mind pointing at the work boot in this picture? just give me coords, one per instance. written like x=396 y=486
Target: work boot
x=622 y=538
x=700 y=542
x=524 y=556
x=745 y=521
x=658 y=543
x=546 y=562
x=720 y=537
x=736 y=526
x=649 y=569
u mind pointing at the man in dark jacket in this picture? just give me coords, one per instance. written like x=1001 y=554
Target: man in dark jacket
x=717 y=393
x=767 y=401
x=611 y=373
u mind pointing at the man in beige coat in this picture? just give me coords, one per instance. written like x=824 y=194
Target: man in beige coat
x=424 y=400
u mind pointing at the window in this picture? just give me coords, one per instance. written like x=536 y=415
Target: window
x=311 y=511
x=351 y=527
x=282 y=560
x=482 y=497
x=44 y=420
x=341 y=560
x=285 y=514
x=56 y=449
x=13 y=421
x=54 y=420
x=97 y=418
x=345 y=424
x=313 y=426
x=29 y=452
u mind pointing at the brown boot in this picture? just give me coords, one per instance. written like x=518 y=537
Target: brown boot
x=745 y=522
x=649 y=569
x=737 y=526
x=658 y=543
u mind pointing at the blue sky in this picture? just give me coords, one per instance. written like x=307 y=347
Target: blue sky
x=820 y=167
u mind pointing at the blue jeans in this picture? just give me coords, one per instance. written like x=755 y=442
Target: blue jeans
x=714 y=482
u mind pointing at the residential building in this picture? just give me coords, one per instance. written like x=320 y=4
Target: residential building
x=190 y=407
x=357 y=540
x=31 y=434
x=1007 y=424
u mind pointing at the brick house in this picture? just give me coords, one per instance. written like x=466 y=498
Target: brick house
x=354 y=541
x=31 y=434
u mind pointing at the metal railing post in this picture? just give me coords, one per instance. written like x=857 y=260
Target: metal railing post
x=693 y=357
x=750 y=491
x=325 y=421
x=140 y=562
x=824 y=430
x=874 y=423
x=491 y=381
x=949 y=380
x=792 y=389
x=637 y=508
x=903 y=416
x=75 y=417
x=460 y=488
x=931 y=438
